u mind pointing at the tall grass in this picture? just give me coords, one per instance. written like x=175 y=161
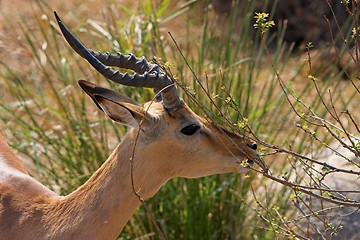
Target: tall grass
x=52 y=123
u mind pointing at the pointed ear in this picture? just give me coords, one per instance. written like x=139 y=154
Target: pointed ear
x=91 y=90
x=117 y=106
x=122 y=112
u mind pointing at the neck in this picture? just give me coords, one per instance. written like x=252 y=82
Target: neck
x=103 y=205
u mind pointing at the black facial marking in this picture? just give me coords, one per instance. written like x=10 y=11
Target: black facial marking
x=252 y=146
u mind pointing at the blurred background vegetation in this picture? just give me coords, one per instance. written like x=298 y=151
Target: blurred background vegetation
x=63 y=138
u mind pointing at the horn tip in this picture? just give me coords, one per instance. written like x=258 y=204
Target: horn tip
x=57 y=17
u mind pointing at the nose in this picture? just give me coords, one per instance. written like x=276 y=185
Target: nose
x=252 y=146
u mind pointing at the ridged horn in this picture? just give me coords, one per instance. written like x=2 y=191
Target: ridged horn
x=146 y=74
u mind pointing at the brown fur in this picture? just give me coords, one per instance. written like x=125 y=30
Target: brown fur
x=102 y=206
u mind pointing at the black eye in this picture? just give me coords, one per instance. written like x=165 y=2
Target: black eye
x=190 y=129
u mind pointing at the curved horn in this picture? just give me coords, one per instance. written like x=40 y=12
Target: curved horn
x=139 y=65
x=146 y=75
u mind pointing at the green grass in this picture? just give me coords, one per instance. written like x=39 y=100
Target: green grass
x=51 y=122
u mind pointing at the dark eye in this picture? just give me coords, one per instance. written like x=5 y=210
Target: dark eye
x=190 y=129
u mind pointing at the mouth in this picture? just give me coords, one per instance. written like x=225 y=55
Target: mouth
x=251 y=163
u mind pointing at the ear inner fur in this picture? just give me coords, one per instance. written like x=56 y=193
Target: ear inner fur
x=125 y=113
x=91 y=89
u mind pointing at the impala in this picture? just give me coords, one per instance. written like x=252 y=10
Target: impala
x=166 y=140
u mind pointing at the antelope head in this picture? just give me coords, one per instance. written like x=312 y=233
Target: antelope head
x=174 y=140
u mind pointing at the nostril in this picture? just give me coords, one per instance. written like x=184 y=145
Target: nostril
x=252 y=145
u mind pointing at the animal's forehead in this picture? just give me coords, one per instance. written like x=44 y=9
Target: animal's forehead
x=185 y=114
x=182 y=115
